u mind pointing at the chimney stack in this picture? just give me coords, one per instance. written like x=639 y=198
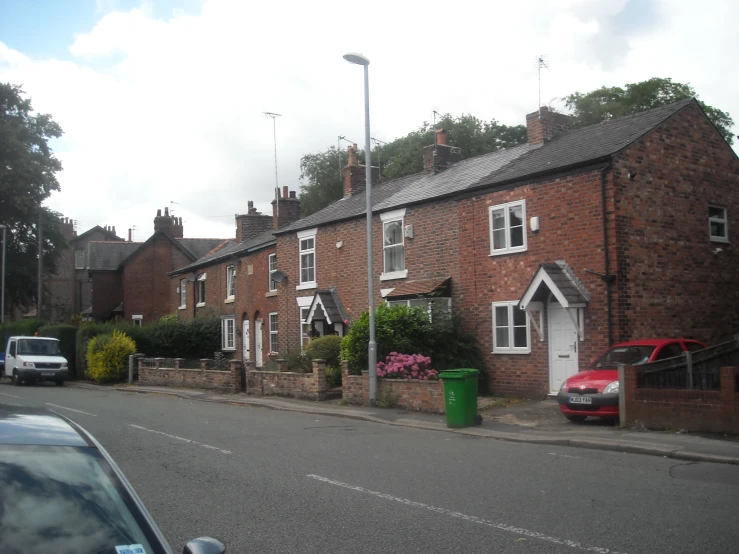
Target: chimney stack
x=67 y=228
x=163 y=221
x=289 y=209
x=438 y=156
x=354 y=175
x=543 y=125
x=253 y=223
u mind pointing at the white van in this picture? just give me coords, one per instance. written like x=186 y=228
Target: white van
x=31 y=359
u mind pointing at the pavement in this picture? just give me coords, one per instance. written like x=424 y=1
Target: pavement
x=525 y=422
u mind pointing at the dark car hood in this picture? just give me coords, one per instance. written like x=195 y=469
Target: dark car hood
x=593 y=378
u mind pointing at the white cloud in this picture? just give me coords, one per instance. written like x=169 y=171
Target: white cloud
x=159 y=110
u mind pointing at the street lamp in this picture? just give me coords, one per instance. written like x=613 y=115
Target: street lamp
x=2 y=288
x=359 y=59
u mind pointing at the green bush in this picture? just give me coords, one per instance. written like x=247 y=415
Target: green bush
x=325 y=348
x=401 y=329
x=199 y=338
x=23 y=327
x=298 y=361
x=107 y=356
x=67 y=335
x=333 y=377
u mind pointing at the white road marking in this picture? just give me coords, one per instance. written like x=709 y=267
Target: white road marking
x=564 y=455
x=11 y=395
x=473 y=519
x=209 y=447
x=70 y=409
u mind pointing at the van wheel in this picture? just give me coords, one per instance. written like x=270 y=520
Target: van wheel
x=16 y=379
x=59 y=383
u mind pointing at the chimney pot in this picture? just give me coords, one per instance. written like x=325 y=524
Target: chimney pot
x=292 y=194
x=129 y=236
x=166 y=212
x=284 y=191
x=114 y=229
x=352 y=154
x=441 y=136
x=159 y=213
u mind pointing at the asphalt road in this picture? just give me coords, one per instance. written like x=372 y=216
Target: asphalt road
x=270 y=481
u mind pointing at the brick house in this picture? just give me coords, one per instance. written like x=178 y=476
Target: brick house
x=129 y=280
x=238 y=283
x=550 y=251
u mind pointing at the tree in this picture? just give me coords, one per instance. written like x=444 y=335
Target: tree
x=403 y=156
x=609 y=102
x=27 y=178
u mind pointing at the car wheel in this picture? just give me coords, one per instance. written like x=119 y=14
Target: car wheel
x=16 y=379
x=576 y=418
x=59 y=383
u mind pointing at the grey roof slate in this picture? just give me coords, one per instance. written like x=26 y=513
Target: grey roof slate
x=412 y=188
x=562 y=276
x=200 y=247
x=331 y=304
x=232 y=249
x=108 y=255
x=590 y=143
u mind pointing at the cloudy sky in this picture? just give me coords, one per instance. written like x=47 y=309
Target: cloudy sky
x=162 y=101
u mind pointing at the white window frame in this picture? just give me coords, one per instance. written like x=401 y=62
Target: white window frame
x=306 y=235
x=273 y=332
x=201 y=290
x=393 y=217
x=304 y=303
x=228 y=333
x=272 y=267
x=506 y=211
x=183 y=294
x=79 y=259
x=510 y=349
x=230 y=282
x=722 y=220
x=138 y=320
x=407 y=302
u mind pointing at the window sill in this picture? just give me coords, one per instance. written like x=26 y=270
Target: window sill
x=306 y=286
x=200 y=304
x=229 y=300
x=182 y=307
x=514 y=352
x=270 y=293
x=720 y=239
x=394 y=275
x=504 y=252
x=228 y=350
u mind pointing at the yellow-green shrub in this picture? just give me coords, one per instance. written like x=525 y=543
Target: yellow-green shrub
x=107 y=356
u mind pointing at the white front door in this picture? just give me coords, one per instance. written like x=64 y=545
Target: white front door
x=562 y=347
x=258 y=341
x=245 y=341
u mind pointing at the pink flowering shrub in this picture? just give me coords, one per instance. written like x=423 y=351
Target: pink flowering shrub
x=407 y=366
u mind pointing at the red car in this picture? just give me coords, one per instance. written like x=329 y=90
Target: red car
x=594 y=391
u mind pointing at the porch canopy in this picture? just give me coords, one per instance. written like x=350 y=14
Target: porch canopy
x=557 y=279
x=326 y=313
x=423 y=288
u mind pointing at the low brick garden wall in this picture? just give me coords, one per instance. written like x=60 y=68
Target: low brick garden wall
x=203 y=378
x=311 y=386
x=410 y=394
x=691 y=409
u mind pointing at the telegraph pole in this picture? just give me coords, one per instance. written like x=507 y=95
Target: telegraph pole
x=40 y=267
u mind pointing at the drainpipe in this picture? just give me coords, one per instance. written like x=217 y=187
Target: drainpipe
x=608 y=278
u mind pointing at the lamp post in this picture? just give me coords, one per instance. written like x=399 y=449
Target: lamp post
x=2 y=287
x=359 y=59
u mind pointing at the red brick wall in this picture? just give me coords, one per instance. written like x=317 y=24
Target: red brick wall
x=190 y=378
x=352 y=387
x=251 y=298
x=296 y=385
x=569 y=211
x=670 y=281
x=106 y=292
x=146 y=285
x=694 y=410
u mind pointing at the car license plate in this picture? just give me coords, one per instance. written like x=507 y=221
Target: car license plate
x=47 y=374
x=580 y=400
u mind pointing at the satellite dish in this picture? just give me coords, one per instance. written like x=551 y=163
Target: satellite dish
x=191 y=277
x=278 y=276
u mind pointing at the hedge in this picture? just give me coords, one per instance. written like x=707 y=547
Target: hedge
x=25 y=327
x=199 y=338
x=67 y=335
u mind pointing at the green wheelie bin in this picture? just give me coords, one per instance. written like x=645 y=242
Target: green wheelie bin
x=460 y=396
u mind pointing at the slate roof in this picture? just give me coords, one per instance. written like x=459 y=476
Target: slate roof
x=108 y=255
x=232 y=249
x=589 y=144
x=563 y=278
x=200 y=247
x=331 y=304
x=414 y=188
x=110 y=235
